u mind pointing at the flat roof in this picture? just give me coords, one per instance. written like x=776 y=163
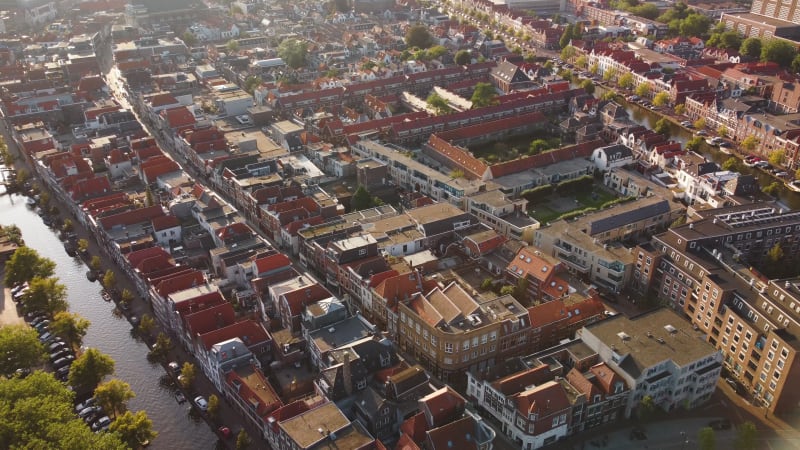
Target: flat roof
x=340 y=334
x=313 y=426
x=763 y=20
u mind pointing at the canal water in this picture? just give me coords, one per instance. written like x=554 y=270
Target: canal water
x=110 y=333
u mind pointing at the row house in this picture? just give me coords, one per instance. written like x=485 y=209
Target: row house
x=502 y=213
x=247 y=388
x=540 y=273
x=773 y=132
x=241 y=344
x=450 y=333
x=556 y=320
x=314 y=423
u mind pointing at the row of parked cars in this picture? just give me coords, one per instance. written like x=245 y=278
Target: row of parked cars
x=93 y=415
x=61 y=355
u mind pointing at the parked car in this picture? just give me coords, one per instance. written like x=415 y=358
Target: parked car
x=47 y=337
x=101 y=423
x=63 y=373
x=37 y=320
x=725 y=144
x=56 y=346
x=89 y=402
x=32 y=315
x=701 y=133
x=42 y=325
x=88 y=411
x=55 y=356
x=201 y=403
x=63 y=362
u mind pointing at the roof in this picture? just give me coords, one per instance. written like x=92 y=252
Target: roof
x=249 y=332
x=165 y=222
x=517 y=382
x=272 y=263
x=178 y=117
x=459 y=434
x=304 y=429
x=543 y=400
x=442 y=406
x=530 y=262
x=634 y=215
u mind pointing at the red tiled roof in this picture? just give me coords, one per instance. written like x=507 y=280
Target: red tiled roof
x=530 y=262
x=516 y=383
x=415 y=427
x=582 y=384
x=605 y=377
x=162 y=99
x=209 y=319
x=131 y=217
x=582 y=150
x=234 y=229
x=543 y=399
x=442 y=406
x=272 y=263
x=179 y=117
x=247 y=330
x=90 y=187
x=406 y=443
x=454 y=435
x=180 y=282
x=164 y=222
x=304 y=296
x=263 y=401
x=459 y=157
x=554 y=311
x=135 y=257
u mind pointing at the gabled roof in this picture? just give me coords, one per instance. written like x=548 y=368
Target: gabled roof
x=582 y=384
x=209 y=319
x=272 y=263
x=442 y=406
x=517 y=382
x=304 y=296
x=180 y=282
x=178 y=117
x=130 y=217
x=543 y=399
x=162 y=99
x=530 y=262
x=459 y=434
x=249 y=331
x=135 y=257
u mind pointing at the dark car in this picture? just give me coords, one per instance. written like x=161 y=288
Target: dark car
x=88 y=411
x=55 y=356
x=89 y=402
x=63 y=362
x=62 y=373
x=57 y=346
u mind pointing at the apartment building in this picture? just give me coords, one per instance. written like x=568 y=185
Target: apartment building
x=506 y=215
x=449 y=332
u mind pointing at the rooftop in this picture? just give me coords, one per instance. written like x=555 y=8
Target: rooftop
x=314 y=426
x=341 y=334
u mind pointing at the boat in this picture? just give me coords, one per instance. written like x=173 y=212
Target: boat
x=106 y=295
x=794 y=185
x=180 y=397
x=31 y=201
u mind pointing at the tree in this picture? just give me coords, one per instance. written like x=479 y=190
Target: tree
x=778 y=51
x=695 y=25
x=588 y=86
x=568 y=52
x=189 y=39
x=700 y=123
x=188 y=375
x=662 y=127
x=722 y=130
x=126 y=296
x=293 y=52
x=775 y=254
x=594 y=69
x=610 y=74
x=438 y=103
x=646 y=10
x=749 y=143
x=730 y=39
x=109 y=279
x=773 y=189
x=45 y=294
x=361 y=199
x=242 y=440
x=537 y=146
x=462 y=57
x=252 y=82
x=796 y=64
x=25 y=264
x=643 y=90
x=797 y=174
x=694 y=143
x=20 y=348
x=133 y=428
x=89 y=370
x=213 y=407
x=777 y=157
x=232 y=46
x=680 y=109
x=161 y=348
x=147 y=324
x=113 y=396
x=83 y=245
x=68 y=225
x=581 y=61
x=626 y=81
x=731 y=164
x=484 y=95
x=646 y=409
x=507 y=290
x=95 y=263
x=746 y=436
x=661 y=99
x=419 y=36
x=566 y=36
x=456 y=174
x=70 y=326
x=751 y=47
x=38 y=413
x=706 y=439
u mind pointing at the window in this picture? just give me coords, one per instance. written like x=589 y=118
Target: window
x=475 y=341
x=362 y=252
x=448 y=347
x=493 y=336
x=465 y=345
x=484 y=338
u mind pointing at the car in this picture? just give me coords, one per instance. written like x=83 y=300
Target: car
x=89 y=402
x=42 y=325
x=701 y=133
x=180 y=397
x=63 y=362
x=101 y=423
x=55 y=356
x=88 y=411
x=762 y=165
x=732 y=383
x=633 y=98
x=244 y=119
x=62 y=373
x=32 y=315
x=174 y=367
x=56 y=346
x=22 y=372
x=201 y=403
x=46 y=337
x=43 y=330
x=37 y=320
x=18 y=288
x=225 y=432
x=782 y=174
x=686 y=124
x=721 y=424
x=725 y=144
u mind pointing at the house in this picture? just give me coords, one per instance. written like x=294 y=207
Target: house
x=612 y=156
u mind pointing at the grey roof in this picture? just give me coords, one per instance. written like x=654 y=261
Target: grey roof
x=616 y=152
x=632 y=216
x=509 y=72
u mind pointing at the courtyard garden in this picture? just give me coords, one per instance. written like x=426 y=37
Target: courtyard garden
x=568 y=199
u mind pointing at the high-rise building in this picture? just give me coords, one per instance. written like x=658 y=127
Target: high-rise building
x=767 y=19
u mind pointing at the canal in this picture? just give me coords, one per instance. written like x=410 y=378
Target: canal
x=109 y=332
x=648 y=118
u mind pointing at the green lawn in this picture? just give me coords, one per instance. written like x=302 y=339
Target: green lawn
x=556 y=206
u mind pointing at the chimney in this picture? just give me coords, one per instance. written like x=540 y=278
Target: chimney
x=348 y=382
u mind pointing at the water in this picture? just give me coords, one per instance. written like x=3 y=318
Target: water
x=111 y=334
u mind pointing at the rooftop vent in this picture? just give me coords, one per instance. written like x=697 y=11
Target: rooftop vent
x=670 y=329
x=660 y=340
x=623 y=335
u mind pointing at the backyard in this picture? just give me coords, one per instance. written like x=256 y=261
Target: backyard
x=556 y=205
x=513 y=147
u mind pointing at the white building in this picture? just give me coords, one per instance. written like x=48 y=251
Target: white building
x=612 y=156
x=659 y=355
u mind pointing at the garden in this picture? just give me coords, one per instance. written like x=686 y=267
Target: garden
x=568 y=199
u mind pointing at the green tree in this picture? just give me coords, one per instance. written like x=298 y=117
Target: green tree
x=507 y=290
x=722 y=130
x=252 y=82
x=113 y=396
x=462 y=57
x=730 y=39
x=20 y=349
x=456 y=174
x=70 y=326
x=694 y=143
x=581 y=61
x=361 y=199
x=161 y=348
x=188 y=375
x=484 y=95
x=538 y=146
x=109 y=279
x=610 y=74
x=777 y=157
x=25 y=264
x=646 y=10
x=594 y=69
x=189 y=39
x=419 y=36
x=646 y=408
x=45 y=294
x=775 y=254
x=436 y=52
x=83 y=245
x=778 y=51
x=662 y=127
x=796 y=64
x=126 y=296
x=749 y=143
x=746 y=436
x=438 y=103
x=242 y=440
x=706 y=439
x=680 y=109
x=731 y=164
x=293 y=52
x=147 y=324
x=700 y=123
x=643 y=90
x=89 y=369
x=232 y=46
x=68 y=225
x=213 y=407
x=797 y=174
x=661 y=99
x=773 y=189
x=135 y=429
x=37 y=413
x=568 y=52
x=695 y=25
x=681 y=220
x=751 y=47
x=486 y=284
x=588 y=86
x=566 y=36
x=95 y=263
x=626 y=81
